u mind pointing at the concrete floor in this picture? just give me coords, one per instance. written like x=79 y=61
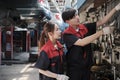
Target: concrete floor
x=18 y=69
x=18 y=72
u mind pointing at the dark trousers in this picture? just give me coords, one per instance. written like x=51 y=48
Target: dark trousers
x=79 y=75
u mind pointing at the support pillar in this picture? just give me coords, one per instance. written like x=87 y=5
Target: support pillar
x=28 y=41
x=9 y=43
x=0 y=46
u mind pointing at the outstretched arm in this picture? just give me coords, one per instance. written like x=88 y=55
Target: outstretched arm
x=89 y=39
x=48 y=73
x=108 y=16
x=54 y=75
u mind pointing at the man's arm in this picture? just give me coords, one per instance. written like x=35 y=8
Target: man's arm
x=89 y=39
x=108 y=16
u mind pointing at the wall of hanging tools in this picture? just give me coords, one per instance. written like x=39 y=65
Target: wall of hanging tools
x=107 y=48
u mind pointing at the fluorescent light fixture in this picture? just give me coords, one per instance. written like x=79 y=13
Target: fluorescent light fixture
x=23 y=18
x=29 y=9
x=20 y=29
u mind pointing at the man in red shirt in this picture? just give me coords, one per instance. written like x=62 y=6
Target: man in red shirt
x=77 y=38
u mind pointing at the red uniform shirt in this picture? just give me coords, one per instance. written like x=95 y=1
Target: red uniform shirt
x=50 y=59
x=79 y=58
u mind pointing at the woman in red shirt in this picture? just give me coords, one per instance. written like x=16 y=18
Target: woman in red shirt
x=50 y=60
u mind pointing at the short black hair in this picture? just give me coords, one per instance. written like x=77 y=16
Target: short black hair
x=68 y=14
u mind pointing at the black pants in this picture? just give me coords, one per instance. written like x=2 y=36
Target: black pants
x=79 y=75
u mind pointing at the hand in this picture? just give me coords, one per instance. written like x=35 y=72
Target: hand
x=107 y=30
x=117 y=7
x=62 y=77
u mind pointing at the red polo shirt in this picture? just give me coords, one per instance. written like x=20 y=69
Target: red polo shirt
x=50 y=59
